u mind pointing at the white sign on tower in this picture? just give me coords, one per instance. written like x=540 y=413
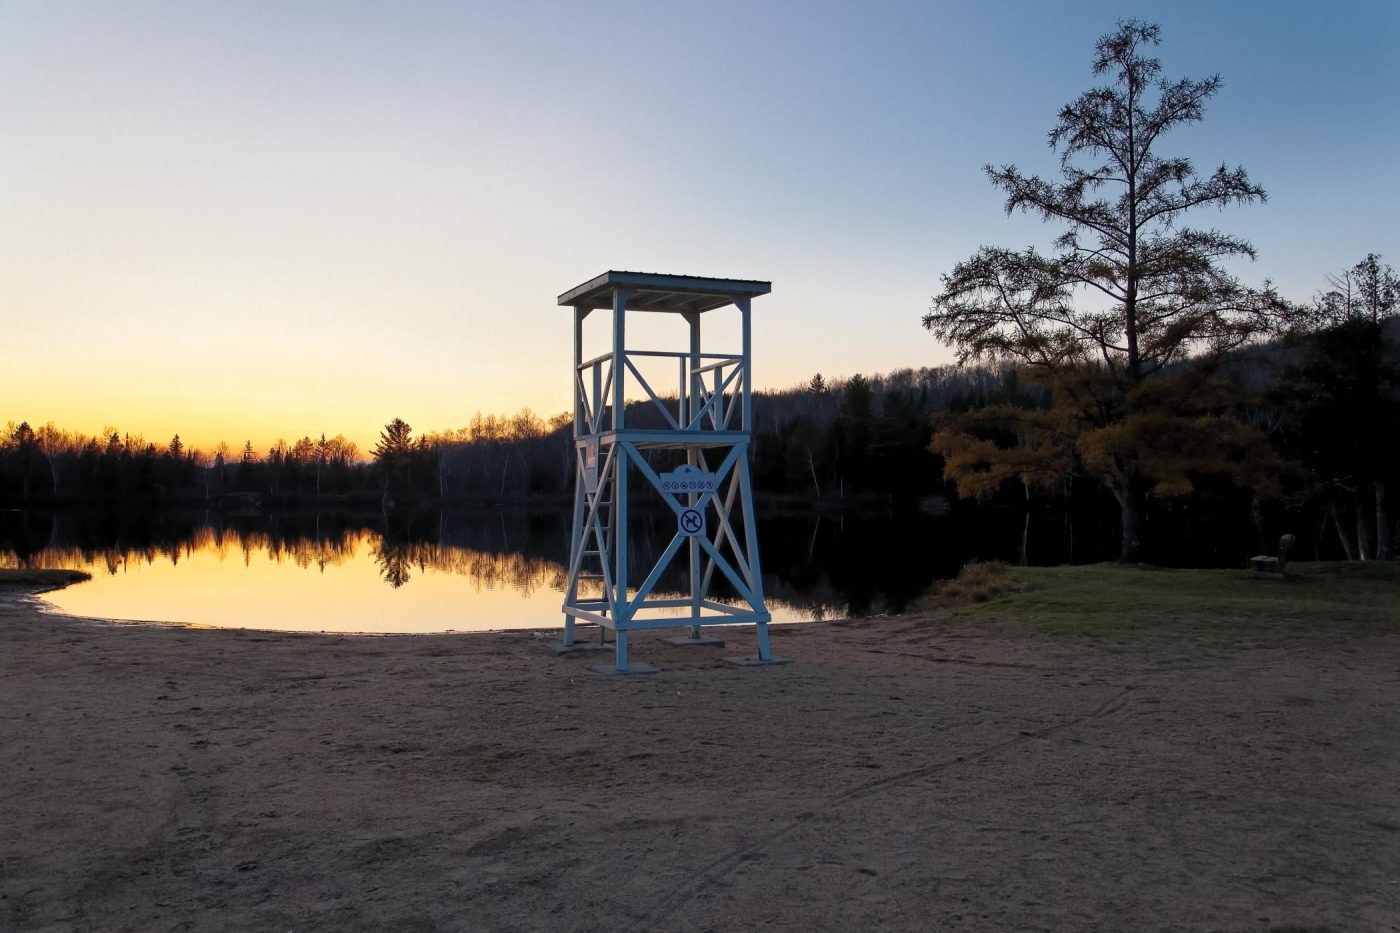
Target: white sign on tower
x=691 y=522
x=687 y=478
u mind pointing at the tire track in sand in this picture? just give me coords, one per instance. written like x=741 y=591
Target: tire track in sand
x=723 y=865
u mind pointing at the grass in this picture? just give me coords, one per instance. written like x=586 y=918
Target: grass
x=977 y=582
x=1108 y=600
x=40 y=579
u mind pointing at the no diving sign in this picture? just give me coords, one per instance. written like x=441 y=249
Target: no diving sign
x=691 y=522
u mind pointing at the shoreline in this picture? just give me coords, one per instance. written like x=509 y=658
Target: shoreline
x=46 y=608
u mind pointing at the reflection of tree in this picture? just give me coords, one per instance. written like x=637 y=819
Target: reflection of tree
x=317 y=550
x=171 y=546
x=488 y=570
x=393 y=561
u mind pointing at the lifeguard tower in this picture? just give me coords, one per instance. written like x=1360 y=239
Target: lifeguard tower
x=703 y=420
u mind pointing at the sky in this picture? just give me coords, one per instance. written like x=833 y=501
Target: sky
x=257 y=220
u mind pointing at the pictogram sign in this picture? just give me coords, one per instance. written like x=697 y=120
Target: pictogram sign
x=691 y=522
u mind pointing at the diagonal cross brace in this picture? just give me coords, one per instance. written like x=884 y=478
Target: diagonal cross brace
x=592 y=527
x=651 y=394
x=744 y=584
x=712 y=397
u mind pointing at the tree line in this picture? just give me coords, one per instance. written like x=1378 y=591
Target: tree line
x=49 y=465
x=835 y=439
x=492 y=457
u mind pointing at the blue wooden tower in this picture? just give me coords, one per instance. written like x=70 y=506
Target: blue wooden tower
x=706 y=416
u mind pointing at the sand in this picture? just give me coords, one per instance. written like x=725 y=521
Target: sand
x=905 y=773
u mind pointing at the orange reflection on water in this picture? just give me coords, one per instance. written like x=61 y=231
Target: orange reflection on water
x=354 y=581
x=350 y=583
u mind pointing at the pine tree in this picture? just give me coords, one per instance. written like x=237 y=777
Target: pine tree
x=393 y=455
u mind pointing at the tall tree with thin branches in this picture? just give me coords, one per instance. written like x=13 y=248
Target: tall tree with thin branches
x=1129 y=289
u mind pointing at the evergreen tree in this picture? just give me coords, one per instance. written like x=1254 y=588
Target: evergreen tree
x=393 y=454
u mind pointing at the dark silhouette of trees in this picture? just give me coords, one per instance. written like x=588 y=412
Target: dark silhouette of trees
x=323 y=459
x=395 y=441
x=50 y=466
x=1129 y=295
x=25 y=456
x=864 y=439
x=1368 y=291
x=394 y=454
x=247 y=468
x=1341 y=401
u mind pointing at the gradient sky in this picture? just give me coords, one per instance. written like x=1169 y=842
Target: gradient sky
x=252 y=220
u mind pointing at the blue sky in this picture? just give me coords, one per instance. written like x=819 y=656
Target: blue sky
x=263 y=219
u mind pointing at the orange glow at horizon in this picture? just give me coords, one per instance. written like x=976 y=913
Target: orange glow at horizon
x=136 y=390
x=203 y=425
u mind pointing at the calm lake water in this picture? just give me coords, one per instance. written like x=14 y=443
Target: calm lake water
x=476 y=571
x=437 y=572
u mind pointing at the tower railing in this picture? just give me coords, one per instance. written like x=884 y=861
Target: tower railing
x=708 y=394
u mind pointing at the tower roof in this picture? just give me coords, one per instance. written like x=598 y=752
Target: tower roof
x=653 y=291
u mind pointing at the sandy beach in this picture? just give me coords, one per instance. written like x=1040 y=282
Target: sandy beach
x=904 y=773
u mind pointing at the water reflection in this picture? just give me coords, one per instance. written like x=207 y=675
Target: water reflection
x=329 y=573
x=491 y=570
x=447 y=571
